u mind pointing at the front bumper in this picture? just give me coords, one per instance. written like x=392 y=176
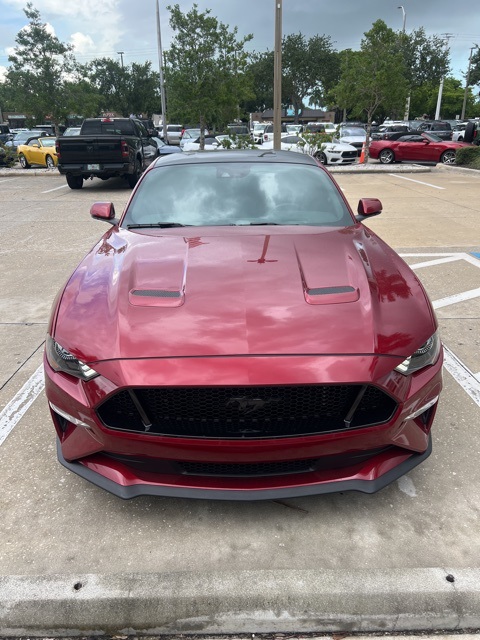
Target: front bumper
x=130 y=464
x=355 y=481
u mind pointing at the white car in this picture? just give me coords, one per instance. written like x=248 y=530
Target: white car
x=355 y=136
x=211 y=144
x=257 y=133
x=330 y=152
x=189 y=135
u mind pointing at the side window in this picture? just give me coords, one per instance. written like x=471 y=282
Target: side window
x=141 y=130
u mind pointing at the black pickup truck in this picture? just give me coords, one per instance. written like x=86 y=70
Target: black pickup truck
x=106 y=147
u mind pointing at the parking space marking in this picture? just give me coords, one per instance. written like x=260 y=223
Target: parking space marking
x=6 y=180
x=433 y=263
x=20 y=403
x=434 y=186
x=56 y=188
x=457 y=297
x=462 y=374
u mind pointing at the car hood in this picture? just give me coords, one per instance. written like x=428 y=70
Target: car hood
x=142 y=294
x=350 y=139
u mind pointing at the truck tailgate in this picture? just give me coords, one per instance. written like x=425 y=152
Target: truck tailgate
x=91 y=149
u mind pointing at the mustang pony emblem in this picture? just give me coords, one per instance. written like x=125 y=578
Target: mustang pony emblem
x=249 y=405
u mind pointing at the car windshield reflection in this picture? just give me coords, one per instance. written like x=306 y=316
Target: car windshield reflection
x=237 y=193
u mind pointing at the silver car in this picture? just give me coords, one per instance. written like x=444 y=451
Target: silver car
x=174 y=133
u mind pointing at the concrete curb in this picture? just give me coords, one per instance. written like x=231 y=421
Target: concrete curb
x=387 y=600
x=353 y=168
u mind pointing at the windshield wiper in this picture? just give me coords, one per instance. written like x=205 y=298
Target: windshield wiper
x=259 y=224
x=160 y=225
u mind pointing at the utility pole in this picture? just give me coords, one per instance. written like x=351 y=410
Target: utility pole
x=162 y=83
x=464 y=106
x=407 y=102
x=277 y=78
x=120 y=53
x=440 y=91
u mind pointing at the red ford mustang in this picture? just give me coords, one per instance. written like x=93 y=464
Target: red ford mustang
x=239 y=334
x=425 y=147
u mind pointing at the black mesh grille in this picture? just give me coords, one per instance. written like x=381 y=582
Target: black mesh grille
x=246 y=412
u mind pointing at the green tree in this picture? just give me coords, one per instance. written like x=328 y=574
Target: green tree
x=260 y=70
x=205 y=70
x=40 y=67
x=424 y=99
x=133 y=88
x=426 y=62
x=373 y=76
x=474 y=78
x=308 y=67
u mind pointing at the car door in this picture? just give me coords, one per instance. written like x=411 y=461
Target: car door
x=150 y=149
x=410 y=148
x=35 y=155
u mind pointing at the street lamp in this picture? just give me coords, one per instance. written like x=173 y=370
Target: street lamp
x=440 y=90
x=120 y=53
x=462 y=117
x=404 y=17
x=277 y=78
x=162 y=83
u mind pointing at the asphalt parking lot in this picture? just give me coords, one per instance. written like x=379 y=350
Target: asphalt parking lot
x=56 y=529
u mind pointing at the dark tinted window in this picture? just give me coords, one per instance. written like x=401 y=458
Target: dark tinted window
x=108 y=127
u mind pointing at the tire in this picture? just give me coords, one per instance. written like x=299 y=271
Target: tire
x=448 y=157
x=74 y=182
x=321 y=157
x=23 y=162
x=386 y=156
x=460 y=139
x=469 y=133
x=133 y=178
x=49 y=162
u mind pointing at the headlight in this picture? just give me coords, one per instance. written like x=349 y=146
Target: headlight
x=427 y=354
x=62 y=360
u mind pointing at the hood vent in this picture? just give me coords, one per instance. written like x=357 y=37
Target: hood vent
x=156 y=298
x=331 y=295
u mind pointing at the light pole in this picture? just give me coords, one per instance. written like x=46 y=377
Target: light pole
x=407 y=103
x=162 y=83
x=120 y=53
x=404 y=17
x=277 y=78
x=440 y=90
x=462 y=117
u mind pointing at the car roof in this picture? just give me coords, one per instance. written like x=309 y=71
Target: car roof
x=237 y=155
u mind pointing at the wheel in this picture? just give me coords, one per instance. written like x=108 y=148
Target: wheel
x=386 y=156
x=74 y=182
x=448 y=157
x=321 y=157
x=469 y=133
x=460 y=139
x=132 y=178
x=49 y=162
x=23 y=161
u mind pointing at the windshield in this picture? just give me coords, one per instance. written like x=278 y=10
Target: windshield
x=237 y=193
x=108 y=127
x=433 y=137
x=353 y=131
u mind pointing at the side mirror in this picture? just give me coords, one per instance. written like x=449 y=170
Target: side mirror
x=367 y=208
x=103 y=211
x=36 y=145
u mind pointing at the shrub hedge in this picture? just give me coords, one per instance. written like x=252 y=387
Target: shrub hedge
x=468 y=157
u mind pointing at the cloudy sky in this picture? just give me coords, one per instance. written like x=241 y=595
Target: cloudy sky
x=102 y=28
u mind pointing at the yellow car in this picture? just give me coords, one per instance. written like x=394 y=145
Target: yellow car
x=38 y=151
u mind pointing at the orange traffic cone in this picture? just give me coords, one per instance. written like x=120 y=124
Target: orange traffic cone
x=362 y=155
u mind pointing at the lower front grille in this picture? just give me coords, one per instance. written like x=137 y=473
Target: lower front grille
x=246 y=412
x=245 y=470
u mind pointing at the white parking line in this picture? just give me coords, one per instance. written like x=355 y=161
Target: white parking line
x=462 y=374
x=434 y=186
x=433 y=263
x=457 y=297
x=56 y=188
x=6 y=180
x=20 y=403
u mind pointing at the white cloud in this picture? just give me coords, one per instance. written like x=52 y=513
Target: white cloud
x=82 y=43
x=3 y=71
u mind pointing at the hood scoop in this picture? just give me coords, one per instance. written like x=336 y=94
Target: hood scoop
x=156 y=298
x=331 y=295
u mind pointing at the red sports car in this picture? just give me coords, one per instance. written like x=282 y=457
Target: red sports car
x=425 y=147
x=238 y=333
